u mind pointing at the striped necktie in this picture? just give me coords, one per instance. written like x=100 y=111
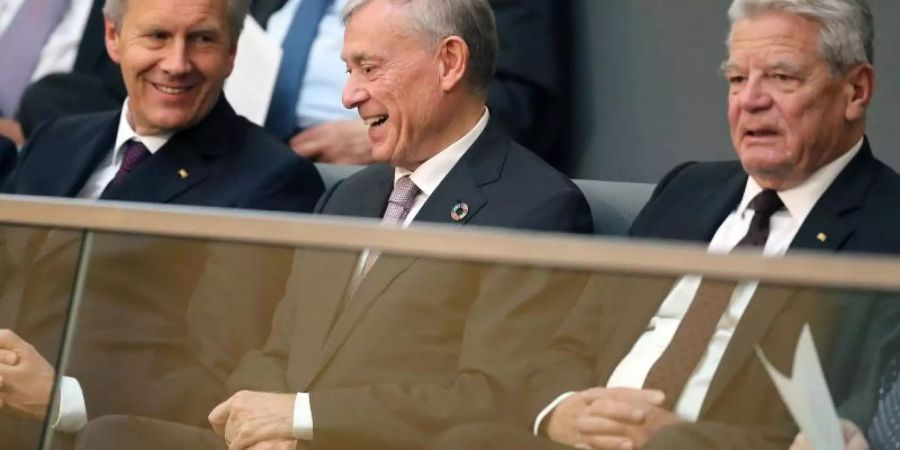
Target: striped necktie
x=884 y=434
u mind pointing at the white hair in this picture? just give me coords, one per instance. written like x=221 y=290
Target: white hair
x=847 y=29
x=114 y=10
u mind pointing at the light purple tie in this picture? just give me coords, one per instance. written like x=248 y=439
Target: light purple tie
x=21 y=45
x=401 y=202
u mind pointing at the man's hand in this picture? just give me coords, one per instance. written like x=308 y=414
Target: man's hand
x=13 y=131
x=250 y=418
x=853 y=438
x=561 y=421
x=621 y=418
x=341 y=142
x=26 y=378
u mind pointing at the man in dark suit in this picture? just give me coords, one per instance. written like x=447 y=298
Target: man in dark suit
x=643 y=363
x=395 y=348
x=177 y=141
x=525 y=95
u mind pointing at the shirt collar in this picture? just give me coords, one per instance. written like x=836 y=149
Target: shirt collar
x=127 y=133
x=800 y=200
x=432 y=172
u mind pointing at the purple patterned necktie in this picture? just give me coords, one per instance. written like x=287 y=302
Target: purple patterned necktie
x=400 y=203
x=135 y=153
x=21 y=45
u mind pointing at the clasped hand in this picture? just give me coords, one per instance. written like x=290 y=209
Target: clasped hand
x=256 y=420
x=26 y=378
x=609 y=418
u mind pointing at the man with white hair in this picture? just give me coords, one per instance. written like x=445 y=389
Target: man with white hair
x=675 y=366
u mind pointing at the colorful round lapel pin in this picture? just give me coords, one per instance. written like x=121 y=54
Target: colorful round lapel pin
x=459 y=211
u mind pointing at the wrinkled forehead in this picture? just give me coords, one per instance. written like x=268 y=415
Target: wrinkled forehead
x=774 y=34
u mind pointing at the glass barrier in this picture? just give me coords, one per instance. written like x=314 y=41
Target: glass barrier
x=38 y=274
x=189 y=336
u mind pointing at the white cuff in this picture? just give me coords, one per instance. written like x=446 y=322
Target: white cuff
x=303 y=421
x=546 y=411
x=72 y=415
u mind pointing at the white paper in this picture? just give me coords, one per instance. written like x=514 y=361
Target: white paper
x=806 y=395
x=250 y=86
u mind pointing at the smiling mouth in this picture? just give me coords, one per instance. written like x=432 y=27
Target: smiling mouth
x=377 y=121
x=171 y=90
x=761 y=133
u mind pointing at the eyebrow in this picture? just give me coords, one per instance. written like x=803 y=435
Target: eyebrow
x=728 y=66
x=359 y=56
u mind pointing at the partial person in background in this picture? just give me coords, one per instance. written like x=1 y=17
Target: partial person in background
x=54 y=64
x=306 y=109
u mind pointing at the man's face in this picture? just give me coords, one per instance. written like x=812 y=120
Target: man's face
x=394 y=84
x=786 y=110
x=175 y=56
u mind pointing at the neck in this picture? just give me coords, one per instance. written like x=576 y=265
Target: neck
x=460 y=123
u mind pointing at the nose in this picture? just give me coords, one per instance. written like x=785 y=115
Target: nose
x=354 y=94
x=177 y=59
x=754 y=95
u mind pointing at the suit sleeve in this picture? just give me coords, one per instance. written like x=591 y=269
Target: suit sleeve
x=11 y=184
x=296 y=188
x=514 y=312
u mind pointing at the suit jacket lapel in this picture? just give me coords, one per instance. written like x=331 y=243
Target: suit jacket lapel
x=481 y=165
x=713 y=206
x=370 y=288
x=830 y=223
x=180 y=164
x=80 y=165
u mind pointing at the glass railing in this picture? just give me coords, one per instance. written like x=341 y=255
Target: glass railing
x=157 y=315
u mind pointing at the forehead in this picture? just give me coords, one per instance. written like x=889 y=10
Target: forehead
x=177 y=12
x=774 y=34
x=379 y=27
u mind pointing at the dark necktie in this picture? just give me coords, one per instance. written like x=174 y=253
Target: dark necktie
x=884 y=434
x=20 y=47
x=282 y=117
x=135 y=153
x=672 y=370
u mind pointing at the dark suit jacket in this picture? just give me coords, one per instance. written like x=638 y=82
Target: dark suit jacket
x=527 y=92
x=415 y=348
x=229 y=161
x=742 y=407
x=136 y=334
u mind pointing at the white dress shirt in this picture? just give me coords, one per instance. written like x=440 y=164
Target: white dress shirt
x=427 y=177
x=72 y=415
x=61 y=49
x=323 y=82
x=784 y=225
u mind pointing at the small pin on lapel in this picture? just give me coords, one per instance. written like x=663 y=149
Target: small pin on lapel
x=822 y=237
x=182 y=173
x=459 y=211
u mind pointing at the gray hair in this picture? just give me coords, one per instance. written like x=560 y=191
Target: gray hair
x=114 y=10
x=847 y=29
x=471 y=20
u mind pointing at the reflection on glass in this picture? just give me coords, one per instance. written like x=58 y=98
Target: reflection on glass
x=37 y=273
x=392 y=351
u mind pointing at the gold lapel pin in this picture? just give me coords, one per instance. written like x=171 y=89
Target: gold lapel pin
x=182 y=173
x=822 y=237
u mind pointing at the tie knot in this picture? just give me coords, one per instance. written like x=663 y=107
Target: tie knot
x=765 y=204
x=405 y=191
x=135 y=152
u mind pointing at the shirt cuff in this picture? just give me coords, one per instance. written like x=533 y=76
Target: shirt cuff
x=72 y=414
x=546 y=411
x=303 y=421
